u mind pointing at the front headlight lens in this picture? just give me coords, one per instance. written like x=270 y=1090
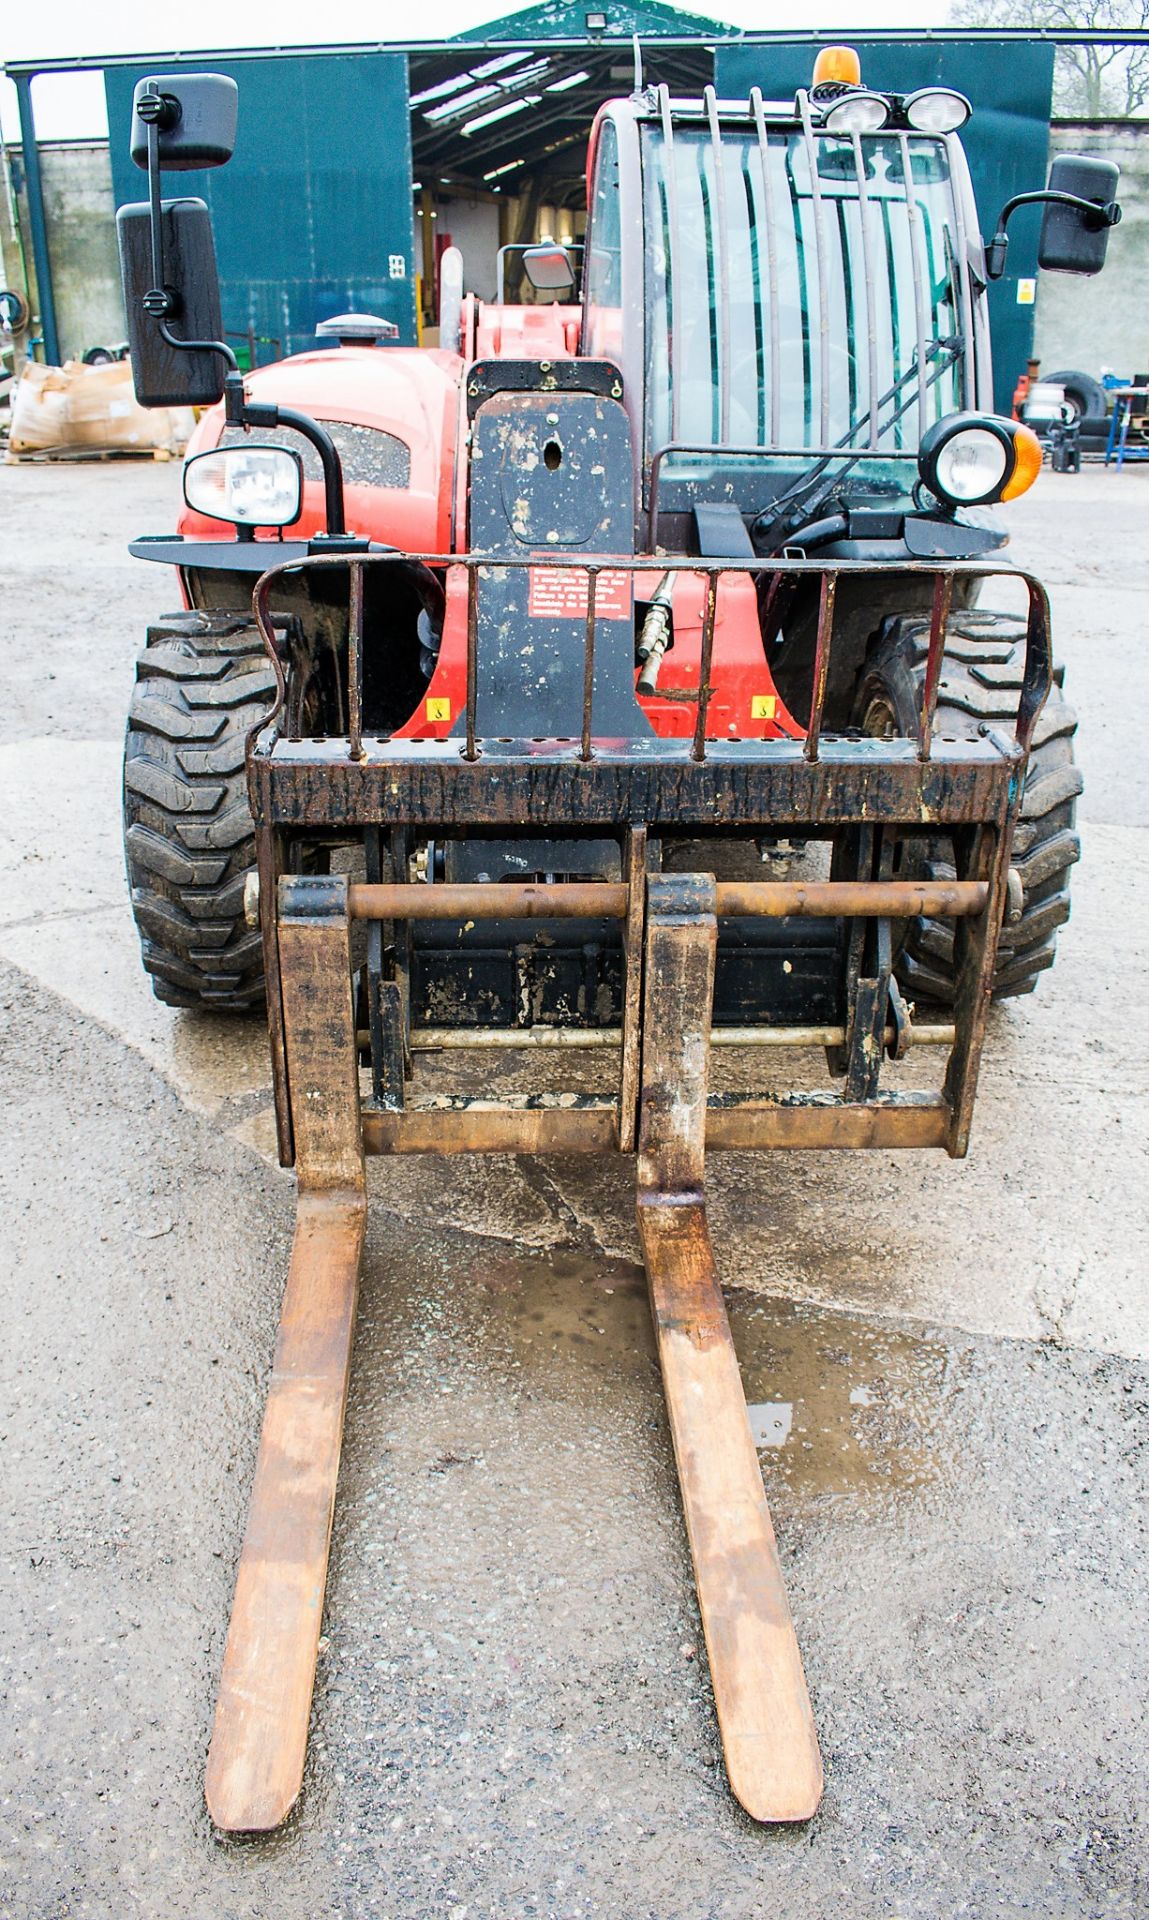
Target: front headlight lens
x=250 y=486
x=857 y=112
x=972 y=466
x=936 y=110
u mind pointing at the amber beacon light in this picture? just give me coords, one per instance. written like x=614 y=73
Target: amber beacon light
x=838 y=66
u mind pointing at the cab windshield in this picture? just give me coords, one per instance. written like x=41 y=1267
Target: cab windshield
x=803 y=295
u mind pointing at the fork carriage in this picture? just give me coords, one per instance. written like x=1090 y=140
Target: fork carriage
x=348 y=1017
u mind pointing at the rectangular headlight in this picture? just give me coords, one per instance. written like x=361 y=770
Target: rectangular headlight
x=251 y=486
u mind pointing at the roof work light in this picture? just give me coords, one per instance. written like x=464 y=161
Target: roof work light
x=858 y=111
x=936 y=110
x=845 y=106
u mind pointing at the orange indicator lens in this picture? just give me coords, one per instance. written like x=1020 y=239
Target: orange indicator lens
x=1027 y=462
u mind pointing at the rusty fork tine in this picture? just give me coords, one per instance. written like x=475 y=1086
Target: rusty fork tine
x=259 y=1741
x=764 y=1714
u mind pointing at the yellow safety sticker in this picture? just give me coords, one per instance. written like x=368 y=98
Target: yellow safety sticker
x=438 y=709
x=763 y=706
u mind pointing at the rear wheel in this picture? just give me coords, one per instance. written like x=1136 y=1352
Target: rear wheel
x=201 y=682
x=980 y=683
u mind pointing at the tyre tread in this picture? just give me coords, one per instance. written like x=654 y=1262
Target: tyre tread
x=980 y=684
x=202 y=682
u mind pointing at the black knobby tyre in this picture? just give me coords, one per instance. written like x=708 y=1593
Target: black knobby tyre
x=202 y=681
x=979 y=685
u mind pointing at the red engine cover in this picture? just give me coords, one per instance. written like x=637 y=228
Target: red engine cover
x=410 y=393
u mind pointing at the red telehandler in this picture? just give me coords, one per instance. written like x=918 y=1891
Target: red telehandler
x=615 y=675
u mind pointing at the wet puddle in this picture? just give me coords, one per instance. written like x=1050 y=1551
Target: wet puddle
x=564 y=1307
x=838 y=1406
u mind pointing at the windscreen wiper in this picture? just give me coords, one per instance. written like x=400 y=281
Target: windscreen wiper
x=945 y=351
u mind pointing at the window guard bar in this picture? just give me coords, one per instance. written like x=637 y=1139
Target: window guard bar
x=962 y=266
x=771 y=264
x=674 y=259
x=712 y=112
x=808 y=142
x=721 y=259
x=871 y=291
x=917 y=255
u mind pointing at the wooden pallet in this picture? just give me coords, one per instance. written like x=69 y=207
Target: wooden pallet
x=47 y=456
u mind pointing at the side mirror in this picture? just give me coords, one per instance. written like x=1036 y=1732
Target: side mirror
x=1079 y=207
x=167 y=253
x=194 y=115
x=165 y=375
x=1072 y=240
x=548 y=268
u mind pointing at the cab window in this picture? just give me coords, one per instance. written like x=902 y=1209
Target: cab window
x=603 y=268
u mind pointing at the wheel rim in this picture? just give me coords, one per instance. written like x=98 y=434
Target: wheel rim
x=880 y=722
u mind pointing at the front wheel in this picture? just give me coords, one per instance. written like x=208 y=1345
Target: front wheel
x=980 y=683
x=202 y=681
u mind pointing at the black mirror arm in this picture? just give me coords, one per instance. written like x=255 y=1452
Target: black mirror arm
x=242 y=412
x=161 y=110
x=1098 y=214
x=156 y=111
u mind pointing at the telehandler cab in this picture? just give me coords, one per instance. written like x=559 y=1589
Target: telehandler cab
x=514 y=674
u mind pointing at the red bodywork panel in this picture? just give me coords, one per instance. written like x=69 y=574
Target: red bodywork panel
x=416 y=394
x=409 y=392
x=745 y=705
x=526 y=333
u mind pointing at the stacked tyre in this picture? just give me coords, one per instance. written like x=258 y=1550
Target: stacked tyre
x=1088 y=404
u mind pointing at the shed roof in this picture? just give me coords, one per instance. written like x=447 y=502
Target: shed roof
x=554 y=20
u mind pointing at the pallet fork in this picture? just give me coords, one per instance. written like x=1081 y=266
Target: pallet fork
x=663 y=1112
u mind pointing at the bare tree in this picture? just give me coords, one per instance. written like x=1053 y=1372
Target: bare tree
x=1089 y=82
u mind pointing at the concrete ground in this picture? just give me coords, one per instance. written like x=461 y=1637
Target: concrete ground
x=947 y=1364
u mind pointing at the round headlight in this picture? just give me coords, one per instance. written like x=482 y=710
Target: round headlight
x=936 y=110
x=858 y=111
x=250 y=486
x=972 y=466
x=972 y=459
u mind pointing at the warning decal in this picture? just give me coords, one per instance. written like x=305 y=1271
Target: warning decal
x=560 y=593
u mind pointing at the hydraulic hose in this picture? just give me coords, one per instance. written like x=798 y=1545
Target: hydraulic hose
x=817 y=533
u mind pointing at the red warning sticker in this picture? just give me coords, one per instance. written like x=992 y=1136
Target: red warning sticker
x=560 y=593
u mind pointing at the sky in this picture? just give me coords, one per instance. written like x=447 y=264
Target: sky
x=71 y=107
